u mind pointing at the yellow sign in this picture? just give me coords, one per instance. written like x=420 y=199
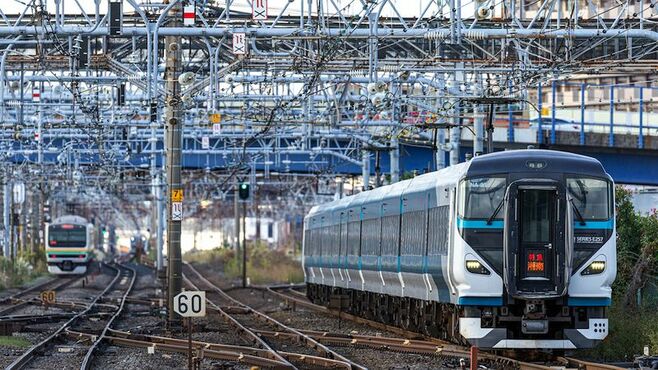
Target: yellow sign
x=215 y=118
x=177 y=195
x=47 y=296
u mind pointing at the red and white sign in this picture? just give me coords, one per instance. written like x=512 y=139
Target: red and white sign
x=239 y=43
x=37 y=136
x=259 y=10
x=36 y=95
x=216 y=129
x=189 y=14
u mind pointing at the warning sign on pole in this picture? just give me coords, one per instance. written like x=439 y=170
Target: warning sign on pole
x=36 y=95
x=239 y=43
x=216 y=129
x=215 y=118
x=177 y=211
x=259 y=10
x=177 y=195
x=189 y=14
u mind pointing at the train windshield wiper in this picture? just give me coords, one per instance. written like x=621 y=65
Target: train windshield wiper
x=578 y=214
x=495 y=213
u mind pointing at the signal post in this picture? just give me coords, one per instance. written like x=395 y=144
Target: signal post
x=173 y=136
x=244 y=194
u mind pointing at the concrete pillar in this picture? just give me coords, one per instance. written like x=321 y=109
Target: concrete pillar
x=440 y=142
x=478 y=128
x=6 y=200
x=395 y=160
x=365 y=168
x=455 y=132
x=455 y=137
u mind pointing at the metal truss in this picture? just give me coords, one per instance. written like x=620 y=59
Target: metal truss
x=316 y=89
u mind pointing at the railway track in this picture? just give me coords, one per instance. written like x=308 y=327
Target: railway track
x=411 y=341
x=246 y=317
x=18 y=300
x=273 y=344
x=96 y=316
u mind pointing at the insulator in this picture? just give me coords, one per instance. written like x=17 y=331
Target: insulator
x=389 y=68
x=437 y=35
x=474 y=35
x=358 y=72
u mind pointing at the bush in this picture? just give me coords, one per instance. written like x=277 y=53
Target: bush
x=19 y=272
x=629 y=333
x=631 y=327
x=264 y=266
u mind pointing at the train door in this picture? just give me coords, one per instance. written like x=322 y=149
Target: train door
x=537 y=218
x=535 y=240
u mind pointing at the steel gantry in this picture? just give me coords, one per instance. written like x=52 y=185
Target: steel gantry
x=93 y=96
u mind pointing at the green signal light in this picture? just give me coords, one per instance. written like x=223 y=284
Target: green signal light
x=243 y=191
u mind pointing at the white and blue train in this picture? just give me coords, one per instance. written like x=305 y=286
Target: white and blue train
x=513 y=249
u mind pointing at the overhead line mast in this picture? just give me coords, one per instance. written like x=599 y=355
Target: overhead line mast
x=173 y=137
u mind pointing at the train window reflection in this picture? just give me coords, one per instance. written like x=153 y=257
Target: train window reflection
x=479 y=197
x=61 y=237
x=591 y=197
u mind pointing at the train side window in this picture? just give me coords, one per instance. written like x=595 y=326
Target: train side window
x=353 y=243
x=390 y=235
x=370 y=237
x=438 y=223
x=414 y=228
x=479 y=197
x=591 y=197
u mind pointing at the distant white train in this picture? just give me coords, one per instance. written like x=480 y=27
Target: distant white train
x=508 y=250
x=69 y=245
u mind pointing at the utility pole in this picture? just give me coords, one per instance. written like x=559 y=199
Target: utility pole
x=244 y=194
x=173 y=135
x=236 y=213
x=244 y=243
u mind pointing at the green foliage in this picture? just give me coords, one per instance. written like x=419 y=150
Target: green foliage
x=629 y=239
x=264 y=266
x=629 y=333
x=630 y=329
x=14 y=342
x=17 y=273
x=635 y=233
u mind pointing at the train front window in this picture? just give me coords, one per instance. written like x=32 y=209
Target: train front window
x=481 y=198
x=71 y=236
x=590 y=198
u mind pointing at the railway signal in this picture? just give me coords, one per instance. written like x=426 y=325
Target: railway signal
x=243 y=191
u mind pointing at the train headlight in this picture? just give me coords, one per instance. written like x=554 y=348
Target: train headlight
x=594 y=268
x=476 y=267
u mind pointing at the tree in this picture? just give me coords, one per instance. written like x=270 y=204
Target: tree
x=637 y=248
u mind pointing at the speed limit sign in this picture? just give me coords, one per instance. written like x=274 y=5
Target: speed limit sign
x=190 y=304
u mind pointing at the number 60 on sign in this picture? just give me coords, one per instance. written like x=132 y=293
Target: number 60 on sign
x=190 y=304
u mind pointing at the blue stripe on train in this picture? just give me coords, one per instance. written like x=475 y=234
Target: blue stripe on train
x=499 y=224
x=480 y=301
x=479 y=224
x=589 y=301
x=608 y=224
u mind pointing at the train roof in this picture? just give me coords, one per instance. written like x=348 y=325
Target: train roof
x=495 y=163
x=69 y=219
x=420 y=183
x=519 y=160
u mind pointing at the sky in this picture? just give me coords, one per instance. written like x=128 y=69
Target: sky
x=406 y=8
